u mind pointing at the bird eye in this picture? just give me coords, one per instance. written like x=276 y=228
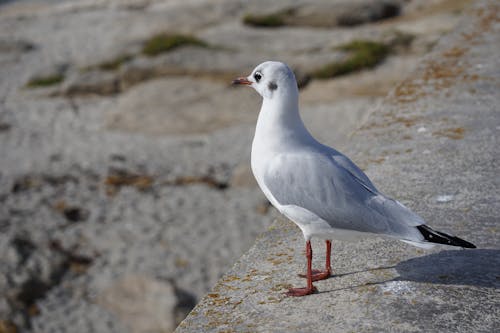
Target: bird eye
x=257 y=76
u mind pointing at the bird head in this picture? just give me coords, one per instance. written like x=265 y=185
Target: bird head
x=270 y=79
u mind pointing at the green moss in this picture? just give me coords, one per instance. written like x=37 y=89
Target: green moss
x=115 y=63
x=165 y=42
x=363 y=54
x=44 y=81
x=363 y=46
x=270 y=20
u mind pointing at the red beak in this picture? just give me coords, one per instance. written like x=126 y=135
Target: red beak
x=242 y=80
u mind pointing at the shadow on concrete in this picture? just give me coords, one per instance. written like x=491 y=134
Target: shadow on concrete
x=469 y=267
x=480 y=268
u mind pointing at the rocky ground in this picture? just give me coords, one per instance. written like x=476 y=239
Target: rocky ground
x=125 y=189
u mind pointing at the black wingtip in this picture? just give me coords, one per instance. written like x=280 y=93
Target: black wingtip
x=434 y=236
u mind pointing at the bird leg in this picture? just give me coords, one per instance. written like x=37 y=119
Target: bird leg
x=310 y=288
x=322 y=275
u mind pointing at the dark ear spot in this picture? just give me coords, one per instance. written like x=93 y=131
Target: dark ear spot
x=272 y=86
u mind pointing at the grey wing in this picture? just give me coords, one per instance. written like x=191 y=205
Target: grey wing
x=318 y=183
x=349 y=166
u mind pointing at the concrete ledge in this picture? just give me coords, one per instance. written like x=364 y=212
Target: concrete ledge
x=434 y=144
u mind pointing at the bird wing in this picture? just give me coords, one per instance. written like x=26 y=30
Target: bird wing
x=352 y=168
x=343 y=198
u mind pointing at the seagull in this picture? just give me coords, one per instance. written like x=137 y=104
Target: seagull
x=317 y=187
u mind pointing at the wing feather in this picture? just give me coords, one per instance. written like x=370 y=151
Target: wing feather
x=342 y=196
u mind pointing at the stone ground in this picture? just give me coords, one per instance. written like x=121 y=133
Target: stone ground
x=433 y=144
x=125 y=194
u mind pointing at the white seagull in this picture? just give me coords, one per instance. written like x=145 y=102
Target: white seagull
x=317 y=187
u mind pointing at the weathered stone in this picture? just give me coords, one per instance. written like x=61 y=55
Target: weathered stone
x=187 y=61
x=16 y=46
x=182 y=106
x=243 y=176
x=142 y=303
x=92 y=82
x=330 y=14
x=366 y=11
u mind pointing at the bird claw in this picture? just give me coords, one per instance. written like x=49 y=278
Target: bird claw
x=318 y=275
x=297 y=292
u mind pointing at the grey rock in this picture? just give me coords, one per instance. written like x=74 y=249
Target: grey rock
x=141 y=303
x=182 y=106
x=242 y=176
x=91 y=82
x=30 y=272
x=57 y=69
x=365 y=12
x=191 y=61
x=338 y=13
x=18 y=46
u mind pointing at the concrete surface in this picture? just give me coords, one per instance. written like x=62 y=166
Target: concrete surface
x=433 y=144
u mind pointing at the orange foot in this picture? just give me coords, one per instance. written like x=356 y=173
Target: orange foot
x=318 y=275
x=301 y=291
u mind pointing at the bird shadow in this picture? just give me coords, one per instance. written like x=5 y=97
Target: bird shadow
x=480 y=268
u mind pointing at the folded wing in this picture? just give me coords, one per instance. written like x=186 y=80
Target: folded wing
x=337 y=191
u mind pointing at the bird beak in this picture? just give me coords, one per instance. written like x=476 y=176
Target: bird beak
x=242 y=80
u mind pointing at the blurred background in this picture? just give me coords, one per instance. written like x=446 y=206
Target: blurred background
x=125 y=182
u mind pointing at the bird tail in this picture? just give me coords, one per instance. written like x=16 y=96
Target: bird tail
x=434 y=236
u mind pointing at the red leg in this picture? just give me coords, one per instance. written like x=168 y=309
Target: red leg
x=322 y=275
x=328 y=265
x=310 y=288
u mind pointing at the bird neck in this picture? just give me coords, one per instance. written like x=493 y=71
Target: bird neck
x=280 y=122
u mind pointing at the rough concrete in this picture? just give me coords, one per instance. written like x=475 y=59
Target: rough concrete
x=434 y=145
